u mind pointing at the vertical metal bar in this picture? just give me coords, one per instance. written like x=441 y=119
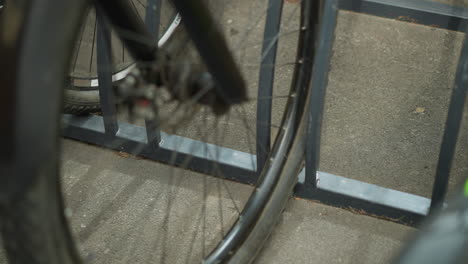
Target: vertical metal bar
x=318 y=87
x=104 y=64
x=153 y=16
x=152 y=21
x=452 y=128
x=125 y=19
x=266 y=79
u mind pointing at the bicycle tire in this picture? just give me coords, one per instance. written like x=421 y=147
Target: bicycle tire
x=42 y=195
x=34 y=228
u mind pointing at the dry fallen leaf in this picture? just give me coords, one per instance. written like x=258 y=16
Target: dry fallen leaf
x=420 y=110
x=123 y=154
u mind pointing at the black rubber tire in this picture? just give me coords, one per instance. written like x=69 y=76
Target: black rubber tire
x=77 y=100
x=34 y=227
x=81 y=101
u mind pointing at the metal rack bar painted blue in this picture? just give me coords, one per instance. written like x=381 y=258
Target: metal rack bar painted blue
x=104 y=60
x=313 y=184
x=452 y=128
x=152 y=19
x=265 y=83
x=343 y=192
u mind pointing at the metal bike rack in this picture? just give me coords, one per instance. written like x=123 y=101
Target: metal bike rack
x=313 y=184
x=373 y=199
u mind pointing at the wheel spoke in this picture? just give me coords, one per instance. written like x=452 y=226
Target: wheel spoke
x=93 y=44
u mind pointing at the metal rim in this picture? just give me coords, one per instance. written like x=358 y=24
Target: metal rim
x=276 y=164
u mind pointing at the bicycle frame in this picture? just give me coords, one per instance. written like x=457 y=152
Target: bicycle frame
x=201 y=28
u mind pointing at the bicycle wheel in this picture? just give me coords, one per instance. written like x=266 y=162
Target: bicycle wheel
x=82 y=95
x=34 y=226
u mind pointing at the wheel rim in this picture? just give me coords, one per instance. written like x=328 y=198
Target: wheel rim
x=294 y=114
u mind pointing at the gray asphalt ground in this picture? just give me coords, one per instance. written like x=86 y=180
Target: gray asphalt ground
x=386 y=104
